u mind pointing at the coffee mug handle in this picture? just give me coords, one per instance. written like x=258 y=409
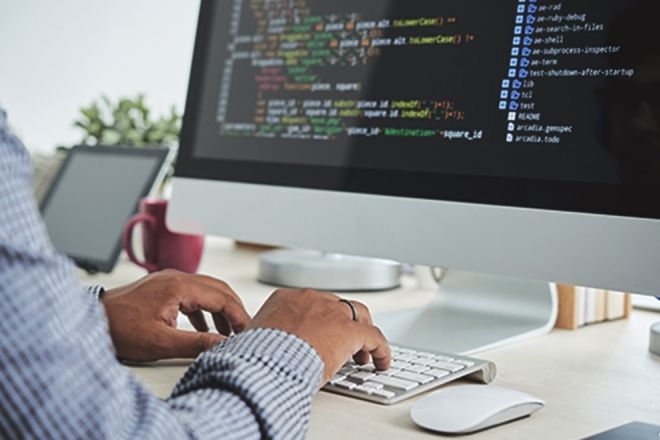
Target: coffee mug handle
x=128 y=240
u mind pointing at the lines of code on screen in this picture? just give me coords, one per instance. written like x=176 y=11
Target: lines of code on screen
x=542 y=89
x=305 y=70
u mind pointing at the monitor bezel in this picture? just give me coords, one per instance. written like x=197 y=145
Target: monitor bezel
x=627 y=200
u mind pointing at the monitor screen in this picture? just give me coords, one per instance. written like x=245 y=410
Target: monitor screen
x=526 y=103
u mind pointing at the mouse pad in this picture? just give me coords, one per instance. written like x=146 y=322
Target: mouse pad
x=631 y=431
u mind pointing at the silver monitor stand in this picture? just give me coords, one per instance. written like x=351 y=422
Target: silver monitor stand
x=470 y=313
x=474 y=312
x=328 y=271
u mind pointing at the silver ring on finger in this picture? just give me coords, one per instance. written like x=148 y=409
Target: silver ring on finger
x=354 y=310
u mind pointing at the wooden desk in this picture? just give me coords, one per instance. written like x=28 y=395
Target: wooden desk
x=592 y=379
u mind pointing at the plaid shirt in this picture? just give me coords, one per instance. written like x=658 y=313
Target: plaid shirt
x=58 y=374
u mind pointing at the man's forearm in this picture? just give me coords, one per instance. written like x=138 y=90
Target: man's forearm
x=58 y=374
x=269 y=377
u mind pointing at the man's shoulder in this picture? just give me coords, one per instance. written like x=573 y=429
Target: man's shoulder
x=12 y=154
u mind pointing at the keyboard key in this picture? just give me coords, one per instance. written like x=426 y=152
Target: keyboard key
x=424 y=354
x=398 y=365
x=422 y=361
x=416 y=368
x=345 y=384
x=383 y=393
x=362 y=376
x=437 y=373
x=437 y=366
x=363 y=389
x=373 y=386
x=405 y=350
x=458 y=367
x=368 y=367
x=392 y=382
x=389 y=372
x=414 y=377
x=337 y=378
x=406 y=358
x=447 y=366
x=462 y=362
x=346 y=370
x=454 y=367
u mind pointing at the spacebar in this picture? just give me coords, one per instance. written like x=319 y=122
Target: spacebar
x=399 y=384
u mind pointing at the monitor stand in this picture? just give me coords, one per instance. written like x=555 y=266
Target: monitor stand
x=325 y=271
x=474 y=312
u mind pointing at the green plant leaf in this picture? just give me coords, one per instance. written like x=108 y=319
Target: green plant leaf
x=127 y=122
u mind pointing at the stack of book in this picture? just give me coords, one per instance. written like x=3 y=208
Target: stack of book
x=580 y=306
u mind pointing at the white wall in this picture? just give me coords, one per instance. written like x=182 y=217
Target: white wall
x=57 y=55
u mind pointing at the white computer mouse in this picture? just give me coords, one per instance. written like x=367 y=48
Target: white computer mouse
x=465 y=409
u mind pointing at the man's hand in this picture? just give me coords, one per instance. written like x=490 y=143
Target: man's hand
x=142 y=315
x=326 y=324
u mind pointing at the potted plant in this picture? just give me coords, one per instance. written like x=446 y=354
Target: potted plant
x=127 y=122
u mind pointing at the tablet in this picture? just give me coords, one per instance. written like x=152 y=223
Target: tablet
x=95 y=193
x=631 y=431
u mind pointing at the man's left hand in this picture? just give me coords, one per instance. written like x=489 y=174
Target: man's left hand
x=143 y=315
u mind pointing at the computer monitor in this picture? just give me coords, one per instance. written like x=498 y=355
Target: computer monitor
x=519 y=138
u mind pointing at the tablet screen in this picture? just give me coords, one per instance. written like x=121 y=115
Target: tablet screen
x=96 y=192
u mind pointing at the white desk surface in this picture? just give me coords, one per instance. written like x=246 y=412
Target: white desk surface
x=593 y=379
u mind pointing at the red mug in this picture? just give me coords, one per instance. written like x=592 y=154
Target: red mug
x=163 y=249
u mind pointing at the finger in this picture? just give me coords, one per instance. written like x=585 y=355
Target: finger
x=362 y=357
x=188 y=345
x=364 y=315
x=203 y=296
x=374 y=342
x=221 y=321
x=233 y=317
x=221 y=324
x=198 y=320
x=220 y=285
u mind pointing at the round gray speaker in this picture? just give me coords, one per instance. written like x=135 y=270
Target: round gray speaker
x=654 y=345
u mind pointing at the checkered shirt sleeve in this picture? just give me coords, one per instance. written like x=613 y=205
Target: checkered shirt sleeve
x=59 y=377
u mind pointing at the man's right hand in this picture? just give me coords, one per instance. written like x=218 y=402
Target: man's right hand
x=327 y=325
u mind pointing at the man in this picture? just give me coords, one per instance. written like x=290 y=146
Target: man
x=59 y=377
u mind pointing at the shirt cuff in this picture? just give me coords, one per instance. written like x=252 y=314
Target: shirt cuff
x=275 y=373
x=95 y=291
x=269 y=347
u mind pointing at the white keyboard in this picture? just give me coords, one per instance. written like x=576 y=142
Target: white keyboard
x=412 y=372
